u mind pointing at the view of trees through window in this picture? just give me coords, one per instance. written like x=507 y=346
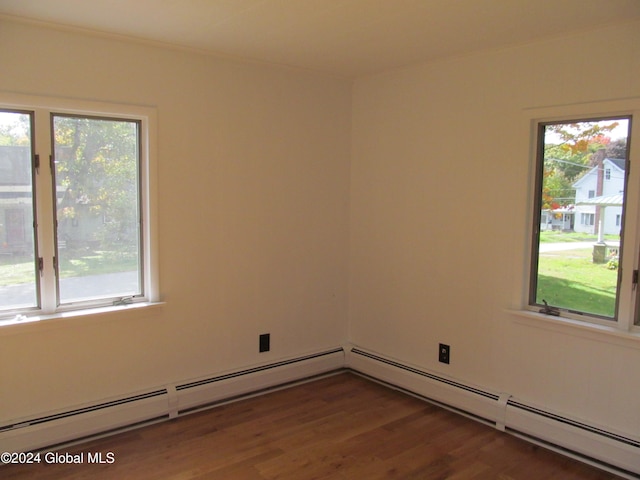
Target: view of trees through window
x=582 y=167
x=96 y=177
x=94 y=173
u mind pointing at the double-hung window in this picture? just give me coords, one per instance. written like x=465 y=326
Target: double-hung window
x=584 y=249
x=74 y=202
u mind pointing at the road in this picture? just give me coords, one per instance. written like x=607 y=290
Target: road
x=110 y=284
x=561 y=246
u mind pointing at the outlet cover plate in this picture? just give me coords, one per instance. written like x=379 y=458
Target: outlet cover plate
x=444 y=353
x=265 y=342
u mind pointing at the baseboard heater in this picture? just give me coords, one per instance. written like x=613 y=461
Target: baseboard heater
x=65 y=426
x=611 y=451
x=203 y=392
x=84 y=421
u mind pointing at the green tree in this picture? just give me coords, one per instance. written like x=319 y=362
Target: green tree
x=617 y=148
x=96 y=168
x=14 y=129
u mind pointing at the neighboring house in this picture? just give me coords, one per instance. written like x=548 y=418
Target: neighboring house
x=559 y=219
x=605 y=180
x=77 y=223
x=16 y=212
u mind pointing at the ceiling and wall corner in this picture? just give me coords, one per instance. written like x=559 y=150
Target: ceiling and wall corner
x=326 y=203
x=346 y=38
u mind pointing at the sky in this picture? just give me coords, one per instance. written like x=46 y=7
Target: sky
x=621 y=131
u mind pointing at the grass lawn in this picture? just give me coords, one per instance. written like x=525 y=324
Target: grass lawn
x=15 y=271
x=550 y=236
x=569 y=279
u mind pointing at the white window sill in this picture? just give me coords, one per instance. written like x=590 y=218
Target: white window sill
x=578 y=328
x=36 y=323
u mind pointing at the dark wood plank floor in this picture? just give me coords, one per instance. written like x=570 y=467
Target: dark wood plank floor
x=339 y=427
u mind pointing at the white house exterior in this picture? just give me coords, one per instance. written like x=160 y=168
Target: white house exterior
x=16 y=211
x=604 y=180
x=560 y=219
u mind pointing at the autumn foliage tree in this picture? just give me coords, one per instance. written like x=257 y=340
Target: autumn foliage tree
x=568 y=152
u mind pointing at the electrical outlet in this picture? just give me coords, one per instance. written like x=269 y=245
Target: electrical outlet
x=265 y=342
x=444 y=353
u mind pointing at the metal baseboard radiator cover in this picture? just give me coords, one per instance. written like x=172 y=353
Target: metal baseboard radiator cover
x=116 y=414
x=611 y=451
x=205 y=392
x=65 y=426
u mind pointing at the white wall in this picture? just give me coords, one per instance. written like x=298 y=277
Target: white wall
x=253 y=174
x=393 y=215
x=439 y=220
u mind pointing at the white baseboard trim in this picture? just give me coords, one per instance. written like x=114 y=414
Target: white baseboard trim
x=581 y=440
x=472 y=401
x=611 y=451
x=204 y=392
x=55 y=428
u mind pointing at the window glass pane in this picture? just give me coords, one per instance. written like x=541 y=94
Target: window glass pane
x=18 y=272
x=97 y=208
x=581 y=186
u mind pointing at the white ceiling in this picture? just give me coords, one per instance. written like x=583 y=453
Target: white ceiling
x=348 y=38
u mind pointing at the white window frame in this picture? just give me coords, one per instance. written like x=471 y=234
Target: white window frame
x=43 y=107
x=629 y=293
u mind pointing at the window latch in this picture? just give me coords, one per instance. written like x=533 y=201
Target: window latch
x=547 y=310
x=634 y=280
x=124 y=301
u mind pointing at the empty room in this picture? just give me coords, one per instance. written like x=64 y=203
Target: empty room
x=300 y=239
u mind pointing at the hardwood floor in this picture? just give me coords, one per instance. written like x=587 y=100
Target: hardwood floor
x=338 y=427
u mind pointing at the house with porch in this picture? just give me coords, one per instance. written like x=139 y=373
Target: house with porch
x=605 y=181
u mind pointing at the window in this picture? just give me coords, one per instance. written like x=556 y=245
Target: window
x=577 y=271
x=74 y=209
x=97 y=214
x=587 y=218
